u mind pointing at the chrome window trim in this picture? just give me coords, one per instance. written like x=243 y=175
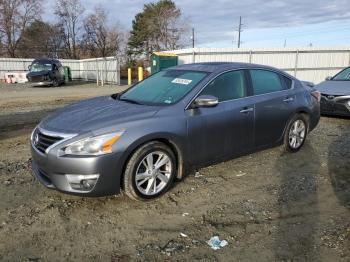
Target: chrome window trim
x=238 y=69
x=65 y=137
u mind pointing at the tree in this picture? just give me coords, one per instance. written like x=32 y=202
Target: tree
x=158 y=27
x=100 y=39
x=69 y=13
x=40 y=39
x=15 y=17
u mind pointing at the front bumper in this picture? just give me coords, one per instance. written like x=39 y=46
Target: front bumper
x=51 y=170
x=336 y=106
x=43 y=83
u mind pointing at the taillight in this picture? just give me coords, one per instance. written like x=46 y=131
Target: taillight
x=317 y=95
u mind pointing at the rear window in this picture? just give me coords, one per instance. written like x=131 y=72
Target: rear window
x=266 y=82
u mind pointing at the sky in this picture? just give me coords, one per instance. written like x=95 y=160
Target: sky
x=269 y=23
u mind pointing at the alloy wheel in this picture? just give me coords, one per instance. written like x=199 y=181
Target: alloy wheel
x=153 y=173
x=297 y=134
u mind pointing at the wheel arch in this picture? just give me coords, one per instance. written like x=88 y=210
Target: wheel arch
x=171 y=142
x=301 y=111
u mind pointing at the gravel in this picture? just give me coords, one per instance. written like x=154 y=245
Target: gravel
x=268 y=205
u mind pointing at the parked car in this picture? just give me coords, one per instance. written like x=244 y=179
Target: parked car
x=46 y=72
x=335 y=94
x=187 y=116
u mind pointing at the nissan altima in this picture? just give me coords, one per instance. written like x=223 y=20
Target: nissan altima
x=179 y=119
x=335 y=94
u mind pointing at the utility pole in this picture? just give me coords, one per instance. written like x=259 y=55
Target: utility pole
x=239 y=32
x=192 y=37
x=285 y=43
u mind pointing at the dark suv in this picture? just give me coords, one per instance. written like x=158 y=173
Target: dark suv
x=46 y=72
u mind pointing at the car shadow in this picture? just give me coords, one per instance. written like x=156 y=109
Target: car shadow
x=297 y=205
x=339 y=166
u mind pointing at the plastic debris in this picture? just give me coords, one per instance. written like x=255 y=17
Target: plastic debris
x=240 y=174
x=185 y=214
x=197 y=174
x=183 y=235
x=215 y=243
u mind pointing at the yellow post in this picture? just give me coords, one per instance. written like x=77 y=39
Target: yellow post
x=140 y=73
x=129 y=76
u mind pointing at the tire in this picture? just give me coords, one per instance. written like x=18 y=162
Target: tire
x=144 y=183
x=55 y=82
x=296 y=132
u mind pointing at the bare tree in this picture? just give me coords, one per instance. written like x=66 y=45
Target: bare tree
x=50 y=44
x=15 y=16
x=69 y=13
x=100 y=38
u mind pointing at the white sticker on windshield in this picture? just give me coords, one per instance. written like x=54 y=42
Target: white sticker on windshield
x=181 y=81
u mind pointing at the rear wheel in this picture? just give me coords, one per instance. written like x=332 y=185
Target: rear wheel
x=150 y=171
x=295 y=135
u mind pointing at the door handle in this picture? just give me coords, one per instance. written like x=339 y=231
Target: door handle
x=288 y=99
x=246 y=110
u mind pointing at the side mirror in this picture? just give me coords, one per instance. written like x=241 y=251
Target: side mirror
x=328 y=78
x=206 y=101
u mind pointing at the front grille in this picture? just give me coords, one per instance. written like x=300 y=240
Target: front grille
x=42 y=141
x=36 y=79
x=329 y=97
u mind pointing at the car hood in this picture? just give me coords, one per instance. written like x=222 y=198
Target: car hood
x=96 y=113
x=338 y=88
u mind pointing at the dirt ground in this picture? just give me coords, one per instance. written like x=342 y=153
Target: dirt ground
x=269 y=206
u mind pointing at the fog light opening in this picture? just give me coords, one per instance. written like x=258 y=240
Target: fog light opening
x=82 y=182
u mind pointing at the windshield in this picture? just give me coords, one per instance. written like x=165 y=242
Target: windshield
x=40 y=67
x=343 y=75
x=164 y=88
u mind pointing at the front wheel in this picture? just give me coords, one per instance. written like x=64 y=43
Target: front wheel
x=55 y=82
x=150 y=171
x=295 y=134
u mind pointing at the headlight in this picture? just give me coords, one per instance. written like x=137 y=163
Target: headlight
x=98 y=145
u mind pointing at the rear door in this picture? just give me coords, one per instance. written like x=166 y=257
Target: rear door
x=227 y=129
x=274 y=105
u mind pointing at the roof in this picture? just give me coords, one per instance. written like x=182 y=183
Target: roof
x=219 y=66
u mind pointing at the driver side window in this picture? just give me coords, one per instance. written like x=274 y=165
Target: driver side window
x=228 y=86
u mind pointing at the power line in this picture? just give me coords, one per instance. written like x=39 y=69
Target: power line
x=311 y=33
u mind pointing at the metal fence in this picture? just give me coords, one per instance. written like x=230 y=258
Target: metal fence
x=104 y=70
x=309 y=64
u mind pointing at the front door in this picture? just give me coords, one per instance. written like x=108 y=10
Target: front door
x=226 y=129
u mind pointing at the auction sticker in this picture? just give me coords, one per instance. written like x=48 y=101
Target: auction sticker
x=181 y=81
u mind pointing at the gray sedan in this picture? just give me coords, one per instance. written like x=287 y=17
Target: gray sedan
x=335 y=94
x=179 y=119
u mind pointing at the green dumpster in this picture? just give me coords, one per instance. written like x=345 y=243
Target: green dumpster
x=160 y=61
x=67 y=74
